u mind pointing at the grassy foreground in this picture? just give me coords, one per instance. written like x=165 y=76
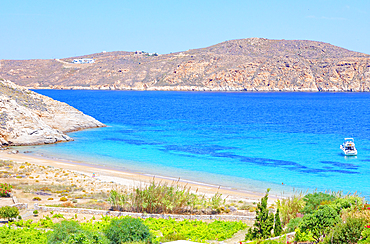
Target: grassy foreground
x=51 y=230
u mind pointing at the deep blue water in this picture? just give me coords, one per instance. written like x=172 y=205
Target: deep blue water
x=248 y=141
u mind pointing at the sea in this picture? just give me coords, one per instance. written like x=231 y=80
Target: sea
x=287 y=142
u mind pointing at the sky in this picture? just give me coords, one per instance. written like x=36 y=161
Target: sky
x=36 y=29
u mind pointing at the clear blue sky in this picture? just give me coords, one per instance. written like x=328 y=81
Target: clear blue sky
x=46 y=29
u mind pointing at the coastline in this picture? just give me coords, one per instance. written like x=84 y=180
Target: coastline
x=133 y=179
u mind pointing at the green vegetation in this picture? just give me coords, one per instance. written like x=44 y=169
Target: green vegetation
x=314 y=200
x=278 y=229
x=11 y=235
x=348 y=232
x=319 y=222
x=281 y=240
x=9 y=213
x=264 y=223
x=365 y=235
x=163 y=198
x=293 y=224
x=303 y=236
x=72 y=232
x=290 y=207
x=5 y=189
x=195 y=230
x=318 y=217
x=127 y=230
x=341 y=219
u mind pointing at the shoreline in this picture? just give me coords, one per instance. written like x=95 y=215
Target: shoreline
x=133 y=179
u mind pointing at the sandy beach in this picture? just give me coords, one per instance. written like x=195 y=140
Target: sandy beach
x=129 y=179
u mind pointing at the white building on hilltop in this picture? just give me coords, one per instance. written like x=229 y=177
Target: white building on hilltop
x=83 y=61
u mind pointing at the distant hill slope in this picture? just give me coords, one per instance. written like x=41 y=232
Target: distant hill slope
x=28 y=118
x=253 y=64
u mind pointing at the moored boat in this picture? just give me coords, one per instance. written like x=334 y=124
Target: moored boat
x=348 y=147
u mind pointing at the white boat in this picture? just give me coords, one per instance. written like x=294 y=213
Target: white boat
x=348 y=147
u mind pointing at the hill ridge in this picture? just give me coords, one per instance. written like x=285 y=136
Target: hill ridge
x=252 y=64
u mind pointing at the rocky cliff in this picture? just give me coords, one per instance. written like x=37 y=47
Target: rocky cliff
x=28 y=118
x=253 y=64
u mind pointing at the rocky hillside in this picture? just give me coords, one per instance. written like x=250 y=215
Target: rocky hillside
x=28 y=118
x=253 y=64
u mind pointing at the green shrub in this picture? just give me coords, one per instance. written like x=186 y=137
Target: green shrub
x=293 y=224
x=277 y=226
x=313 y=201
x=72 y=232
x=264 y=223
x=9 y=213
x=348 y=202
x=320 y=222
x=348 y=232
x=127 y=229
x=302 y=236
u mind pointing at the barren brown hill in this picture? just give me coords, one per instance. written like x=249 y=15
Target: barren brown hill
x=253 y=64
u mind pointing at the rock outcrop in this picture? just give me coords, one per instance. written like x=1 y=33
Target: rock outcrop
x=28 y=118
x=253 y=64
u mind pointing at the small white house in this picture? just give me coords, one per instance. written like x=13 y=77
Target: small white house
x=83 y=61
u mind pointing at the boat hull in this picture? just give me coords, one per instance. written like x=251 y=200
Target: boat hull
x=349 y=152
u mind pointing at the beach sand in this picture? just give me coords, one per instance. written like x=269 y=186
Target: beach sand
x=129 y=179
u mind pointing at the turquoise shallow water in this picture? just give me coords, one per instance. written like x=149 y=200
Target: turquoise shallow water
x=248 y=141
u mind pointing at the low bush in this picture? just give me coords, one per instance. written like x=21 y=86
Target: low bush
x=347 y=202
x=72 y=232
x=63 y=199
x=320 y=222
x=302 y=236
x=5 y=189
x=348 y=232
x=9 y=213
x=293 y=224
x=314 y=200
x=127 y=229
x=36 y=199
